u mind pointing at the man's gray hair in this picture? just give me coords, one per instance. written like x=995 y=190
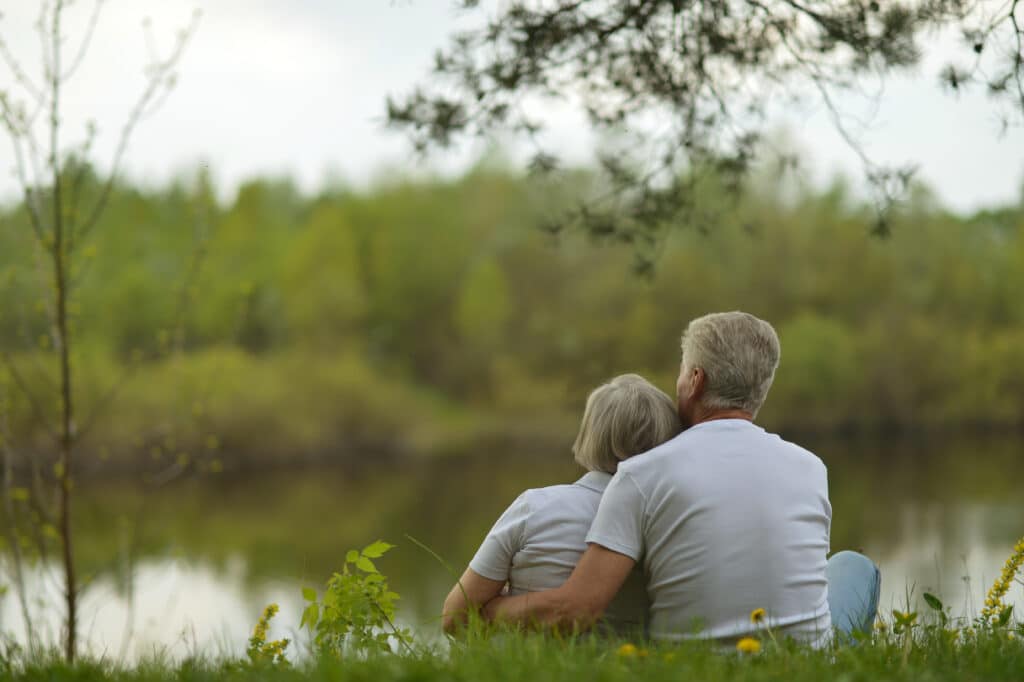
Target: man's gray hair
x=738 y=353
x=624 y=417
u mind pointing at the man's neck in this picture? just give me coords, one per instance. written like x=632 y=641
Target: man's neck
x=714 y=415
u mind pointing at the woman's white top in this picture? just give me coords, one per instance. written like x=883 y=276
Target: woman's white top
x=537 y=542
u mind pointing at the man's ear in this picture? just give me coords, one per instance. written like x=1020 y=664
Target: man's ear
x=698 y=381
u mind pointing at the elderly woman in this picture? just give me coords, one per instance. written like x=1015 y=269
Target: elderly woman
x=538 y=540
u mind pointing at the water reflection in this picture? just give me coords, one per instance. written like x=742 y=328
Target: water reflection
x=215 y=551
x=945 y=551
x=177 y=609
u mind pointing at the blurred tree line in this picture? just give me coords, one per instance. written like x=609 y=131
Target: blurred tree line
x=426 y=312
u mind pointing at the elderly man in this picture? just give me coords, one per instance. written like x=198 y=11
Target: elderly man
x=725 y=519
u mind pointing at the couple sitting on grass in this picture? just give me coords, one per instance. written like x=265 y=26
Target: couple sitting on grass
x=692 y=521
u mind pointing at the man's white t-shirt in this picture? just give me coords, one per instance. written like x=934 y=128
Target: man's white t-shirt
x=538 y=541
x=724 y=519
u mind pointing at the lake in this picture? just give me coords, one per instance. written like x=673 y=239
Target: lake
x=187 y=567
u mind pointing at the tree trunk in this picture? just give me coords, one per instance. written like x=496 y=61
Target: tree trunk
x=61 y=269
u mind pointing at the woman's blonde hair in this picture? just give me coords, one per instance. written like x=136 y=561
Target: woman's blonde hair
x=623 y=417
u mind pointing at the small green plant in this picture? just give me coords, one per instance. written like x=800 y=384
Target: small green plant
x=904 y=622
x=357 y=611
x=260 y=651
x=944 y=628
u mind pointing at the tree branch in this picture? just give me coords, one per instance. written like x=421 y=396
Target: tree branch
x=1018 y=61
x=83 y=49
x=20 y=77
x=159 y=77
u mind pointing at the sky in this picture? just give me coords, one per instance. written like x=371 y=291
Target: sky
x=297 y=88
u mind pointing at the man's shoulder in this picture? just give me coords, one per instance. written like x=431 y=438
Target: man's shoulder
x=798 y=451
x=697 y=442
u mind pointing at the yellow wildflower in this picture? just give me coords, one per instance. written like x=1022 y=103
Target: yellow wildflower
x=631 y=651
x=757 y=616
x=259 y=648
x=627 y=651
x=260 y=631
x=994 y=601
x=748 y=645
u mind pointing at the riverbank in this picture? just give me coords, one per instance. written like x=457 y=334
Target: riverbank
x=226 y=409
x=930 y=655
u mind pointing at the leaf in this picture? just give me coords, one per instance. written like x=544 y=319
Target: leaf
x=933 y=602
x=352 y=556
x=364 y=564
x=310 y=616
x=1004 y=616
x=309 y=594
x=377 y=549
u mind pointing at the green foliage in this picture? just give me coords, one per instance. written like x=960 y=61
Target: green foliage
x=823 y=371
x=322 y=279
x=321 y=315
x=356 y=614
x=483 y=307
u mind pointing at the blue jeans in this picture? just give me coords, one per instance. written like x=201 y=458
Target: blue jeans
x=853 y=585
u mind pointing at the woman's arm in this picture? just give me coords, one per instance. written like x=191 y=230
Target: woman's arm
x=578 y=603
x=494 y=559
x=469 y=594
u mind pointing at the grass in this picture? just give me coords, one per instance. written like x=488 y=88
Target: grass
x=932 y=654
